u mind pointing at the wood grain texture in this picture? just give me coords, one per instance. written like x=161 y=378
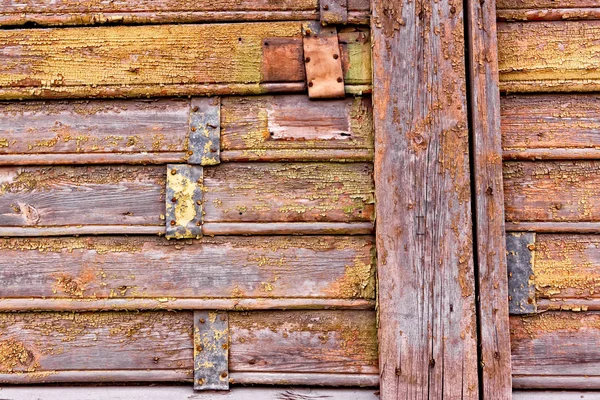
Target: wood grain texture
x=549 y=56
x=260 y=128
x=71 y=12
x=284 y=128
x=556 y=350
x=564 y=395
x=551 y=126
x=547 y=10
x=180 y=393
x=36 y=346
x=427 y=316
x=131 y=199
x=156 y=60
x=560 y=191
x=490 y=241
x=95 y=268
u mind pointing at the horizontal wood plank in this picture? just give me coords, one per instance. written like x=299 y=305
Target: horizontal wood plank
x=71 y=12
x=121 y=199
x=556 y=350
x=163 y=60
x=560 y=191
x=549 y=56
x=36 y=346
x=547 y=10
x=180 y=393
x=564 y=395
x=265 y=128
x=96 y=268
x=551 y=126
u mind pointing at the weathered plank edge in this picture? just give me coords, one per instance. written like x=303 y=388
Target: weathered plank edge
x=551 y=154
x=548 y=14
x=180 y=392
x=231 y=304
x=550 y=86
x=320 y=154
x=488 y=196
x=93 y=158
x=554 y=227
x=554 y=395
x=555 y=382
x=312 y=379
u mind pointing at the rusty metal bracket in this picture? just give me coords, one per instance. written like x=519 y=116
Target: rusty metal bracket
x=520 y=249
x=211 y=350
x=204 y=140
x=334 y=12
x=323 y=62
x=184 y=201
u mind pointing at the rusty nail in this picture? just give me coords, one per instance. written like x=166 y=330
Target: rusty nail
x=310 y=84
x=225 y=346
x=199 y=348
x=453 y=10
x=223 y=317
x=195 y=108
x=223 y=374
x=199 y=202
x=336 y=56
x=340 y=80
x=190 y=153
x=211 y=126
x=193 y=129
x=307 y=59
x=173 y=222
x=174 y=200
x=173 y=171
x=326 y=7
x=213 y=150
x=198 y=223
x=156 y=359
x=201 y=320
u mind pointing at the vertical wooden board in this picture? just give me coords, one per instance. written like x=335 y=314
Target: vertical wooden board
x=552 y=191
x=494 y=335
x=294 y=127
x=556 y=344
x=115 y=267
x=549 y=56
x=46 y=342
x=304 y=341
x=299 y=192
x=59 y=196
x=427 y=317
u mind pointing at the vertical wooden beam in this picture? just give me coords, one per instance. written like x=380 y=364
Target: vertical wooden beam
x=494 y=335
x=427 y=313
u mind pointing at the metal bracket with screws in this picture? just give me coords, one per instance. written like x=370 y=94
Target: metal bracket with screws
x=211 y=350
x=184 y=196
x=323 y=63
x=520 y=257
x=334 y=12
x=204 y=141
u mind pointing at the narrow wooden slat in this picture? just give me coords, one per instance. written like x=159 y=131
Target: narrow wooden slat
x=490 y=241
x=561 y=191
x=295 y=128
x=551 y=126
x=526 y=4
x=556 y=350
x=543 y=395
x=71 y=12
x=180 y=393
x=111 y=346
x=308 y=379
x=287 y=228
x=549 y=56
x=554 y=227
x=265 y=128
x=120 y=199
x=547 y=10
x=427 y=316
x=158 y=60
x=104 y=268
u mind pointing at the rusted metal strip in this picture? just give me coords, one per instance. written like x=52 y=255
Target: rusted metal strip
x=184 y=201
x=211 y=350
x=323 y=62
x=334 y=12
x=520 y=248
x=204 y=143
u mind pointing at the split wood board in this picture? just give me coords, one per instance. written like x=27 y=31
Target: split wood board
x=45 y=347
x=73 y=12
x=83 y=269
x=551 y=126
x=549 y=56
x=547 y=10
x=265 y=128
x=558 y=191
x=131 y=199
x=164 y=60
x=556 y=350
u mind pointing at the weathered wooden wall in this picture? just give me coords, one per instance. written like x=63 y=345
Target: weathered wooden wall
x=549 y=68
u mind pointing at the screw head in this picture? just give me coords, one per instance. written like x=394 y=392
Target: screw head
x=326 y=7
x=336 y=56
x=174 y=200
x=307 y=59
x=195 y=108
x=310 y=84
x=173 y=172
x=340 y=80
x=173 y=222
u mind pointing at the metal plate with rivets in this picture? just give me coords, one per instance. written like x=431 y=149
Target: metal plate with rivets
x=323 y=63
x=211 y=350
x=520 y=253
x=205 y=131
x=183 y=200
